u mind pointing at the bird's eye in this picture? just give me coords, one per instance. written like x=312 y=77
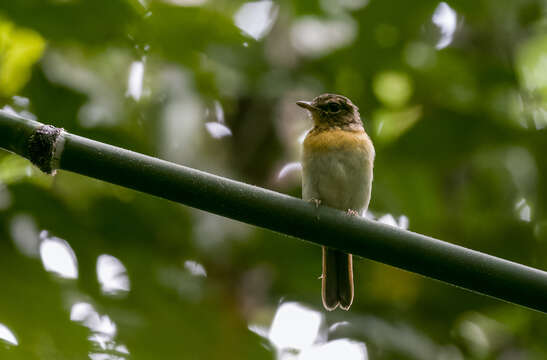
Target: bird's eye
x=333 y=107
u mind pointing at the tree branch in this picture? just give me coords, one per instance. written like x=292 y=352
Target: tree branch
x=407 y=250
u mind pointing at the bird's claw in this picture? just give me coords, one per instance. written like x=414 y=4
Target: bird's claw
x=352 y=212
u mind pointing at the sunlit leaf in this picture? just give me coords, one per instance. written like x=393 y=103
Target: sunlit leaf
x=531 y=64
x=20 y=49
x=390 y=124
x=14 y=169
x=393 y=88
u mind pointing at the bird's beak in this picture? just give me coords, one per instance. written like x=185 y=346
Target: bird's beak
x=306 y=105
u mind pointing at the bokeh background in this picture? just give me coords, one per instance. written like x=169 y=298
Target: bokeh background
x=453 y=95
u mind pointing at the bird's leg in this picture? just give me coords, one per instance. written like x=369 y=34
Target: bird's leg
x=352 y=212
x=316 y=202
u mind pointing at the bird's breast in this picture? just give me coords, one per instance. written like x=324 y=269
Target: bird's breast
x=337 y=168
x=338 y=140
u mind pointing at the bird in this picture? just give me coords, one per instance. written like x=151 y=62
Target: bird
x=337 y=166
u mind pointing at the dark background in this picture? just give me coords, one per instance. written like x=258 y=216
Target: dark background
x=453 y=95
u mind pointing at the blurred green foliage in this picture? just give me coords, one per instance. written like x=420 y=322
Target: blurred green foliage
x=20 y=49
x=454 y=97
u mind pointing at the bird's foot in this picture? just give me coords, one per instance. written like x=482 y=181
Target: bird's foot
x=316 y=202
x=352 y=212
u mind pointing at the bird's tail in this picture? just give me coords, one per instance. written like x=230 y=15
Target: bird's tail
x=337 y=279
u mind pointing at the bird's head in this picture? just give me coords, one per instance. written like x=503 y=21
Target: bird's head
x=328 y=110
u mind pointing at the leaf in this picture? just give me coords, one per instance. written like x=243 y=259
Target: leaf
x=20 y=49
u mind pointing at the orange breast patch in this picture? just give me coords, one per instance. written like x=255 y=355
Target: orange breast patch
x=336 y=139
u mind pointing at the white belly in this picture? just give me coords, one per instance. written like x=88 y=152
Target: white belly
x=339 y=178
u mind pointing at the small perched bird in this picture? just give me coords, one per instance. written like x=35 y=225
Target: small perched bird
x=337 y=162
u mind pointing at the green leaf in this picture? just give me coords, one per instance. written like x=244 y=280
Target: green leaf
x=20 y=49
